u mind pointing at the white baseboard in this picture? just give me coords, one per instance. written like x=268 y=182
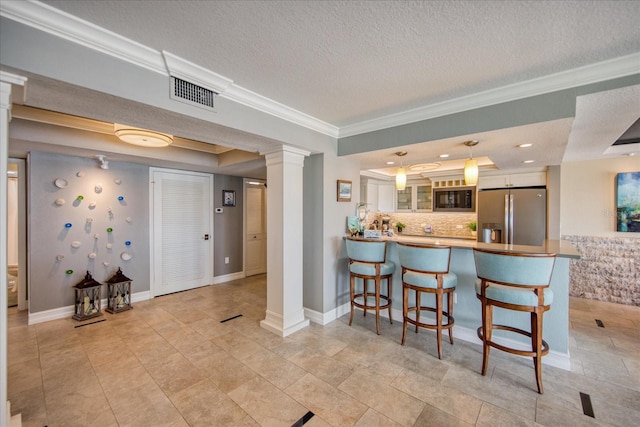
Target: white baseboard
x=64 y=312
x=554 y=358
x=228 y=277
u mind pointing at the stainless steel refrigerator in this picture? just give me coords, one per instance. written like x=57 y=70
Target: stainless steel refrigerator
x=515 y=216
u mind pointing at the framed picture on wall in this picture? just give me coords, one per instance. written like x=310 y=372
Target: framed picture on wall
x=628 y=202
x=228 y=198
x=344 y=190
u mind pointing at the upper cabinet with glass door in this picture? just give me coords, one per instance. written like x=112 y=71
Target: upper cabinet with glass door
x=416 y=197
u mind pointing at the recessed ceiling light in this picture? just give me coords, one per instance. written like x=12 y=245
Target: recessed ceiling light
x=443 y=156
x=528 y=161
x=524 y=145
x=391 y=163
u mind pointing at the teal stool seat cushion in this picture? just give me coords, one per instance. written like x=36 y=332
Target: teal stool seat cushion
x=366 y=269
x=511 y=295
x=425 y=280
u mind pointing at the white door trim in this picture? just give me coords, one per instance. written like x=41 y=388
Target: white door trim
x=154 y=286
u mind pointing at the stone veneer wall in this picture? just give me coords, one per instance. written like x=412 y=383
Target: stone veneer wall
x=608 y=270
x=442 y=224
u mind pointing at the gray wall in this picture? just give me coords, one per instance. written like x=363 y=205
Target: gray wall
x=312 y=224
x=50 y=286
x=227 y=226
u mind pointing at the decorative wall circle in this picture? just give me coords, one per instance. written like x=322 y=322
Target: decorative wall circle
x=109 y=245
x=129 y=219
x=109 y=230
x=68 y=225
x=92 y=255
x=120 y=198
x=79 y=174
x=125 y=256
x=80 y=198
x=92 y=205
x=105 y=263
x=59 y=257
x=76 y=244
x=98 y=188
x=128 y=243
x=69 y=272
x=118 y=181
x=95 y=236
x=60 y=183
x=59 y=202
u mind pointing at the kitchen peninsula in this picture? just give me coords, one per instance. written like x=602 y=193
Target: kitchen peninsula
x=466 y=310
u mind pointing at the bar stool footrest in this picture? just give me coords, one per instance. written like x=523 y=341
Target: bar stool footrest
x=545 y=346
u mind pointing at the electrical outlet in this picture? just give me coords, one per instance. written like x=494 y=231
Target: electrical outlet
x=226 y=260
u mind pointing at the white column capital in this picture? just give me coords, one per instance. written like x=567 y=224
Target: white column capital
x=284 y=154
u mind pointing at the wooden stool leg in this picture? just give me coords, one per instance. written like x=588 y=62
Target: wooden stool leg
x=389 y=284
x=405 y=311
x=417 y=308
x=439 y=321
x=487 y=323
x=450 y=312
x=351 y=293
x=377 y=304
x=536 y=341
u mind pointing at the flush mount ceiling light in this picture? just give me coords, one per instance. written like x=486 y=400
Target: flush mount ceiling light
x=524 y=145
x=401 y=173
x=471 y=165
x=142 y=137
x=424 y=167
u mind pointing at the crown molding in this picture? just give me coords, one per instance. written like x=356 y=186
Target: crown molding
x=61 y=24
x=185 y=70
x=266 y=105
x=593 y=73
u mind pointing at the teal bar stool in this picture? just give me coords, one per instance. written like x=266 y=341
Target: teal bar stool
x=368 y=261
x=425 y=269
x=514 y=281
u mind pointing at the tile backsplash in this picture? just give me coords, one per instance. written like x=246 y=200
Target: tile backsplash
x=442 y=224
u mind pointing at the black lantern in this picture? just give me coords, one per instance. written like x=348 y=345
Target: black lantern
x=88 y=298
x=119 y=293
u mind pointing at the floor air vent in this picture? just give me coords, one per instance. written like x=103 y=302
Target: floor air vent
x=190 y=93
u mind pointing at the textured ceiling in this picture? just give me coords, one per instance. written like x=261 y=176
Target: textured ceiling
x=348 y=61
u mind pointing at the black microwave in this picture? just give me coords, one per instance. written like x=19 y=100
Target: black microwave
x=454 y=199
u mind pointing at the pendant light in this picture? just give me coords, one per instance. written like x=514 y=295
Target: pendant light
x=401 y=173
x=471 y=165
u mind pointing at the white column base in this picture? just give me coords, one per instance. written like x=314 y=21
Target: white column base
x=273 y=323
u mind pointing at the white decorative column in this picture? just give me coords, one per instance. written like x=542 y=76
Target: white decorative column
x=7 y=80
x=285 y=313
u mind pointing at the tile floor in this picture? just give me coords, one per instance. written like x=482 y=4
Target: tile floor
x=171 y=362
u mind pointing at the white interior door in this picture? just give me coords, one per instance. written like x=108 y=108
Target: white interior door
x=182 y=230
x=256 y=229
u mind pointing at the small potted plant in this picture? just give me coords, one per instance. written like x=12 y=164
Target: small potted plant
x=473 y=226
x=400 y=226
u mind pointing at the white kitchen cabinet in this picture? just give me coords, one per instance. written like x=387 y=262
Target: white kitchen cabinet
x=526 y=179
x=380 y=196
x=416 y=197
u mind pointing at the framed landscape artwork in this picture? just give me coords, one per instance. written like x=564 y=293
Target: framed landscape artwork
x=344 y=190
x=628 y=202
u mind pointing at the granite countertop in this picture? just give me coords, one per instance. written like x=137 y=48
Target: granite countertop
x=562 y=248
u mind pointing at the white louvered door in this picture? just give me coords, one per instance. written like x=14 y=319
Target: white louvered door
x=182 y=230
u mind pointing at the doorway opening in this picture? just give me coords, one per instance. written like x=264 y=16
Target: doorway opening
x=16 y=234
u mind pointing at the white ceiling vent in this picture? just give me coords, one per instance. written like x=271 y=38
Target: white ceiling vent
x=190 y=93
